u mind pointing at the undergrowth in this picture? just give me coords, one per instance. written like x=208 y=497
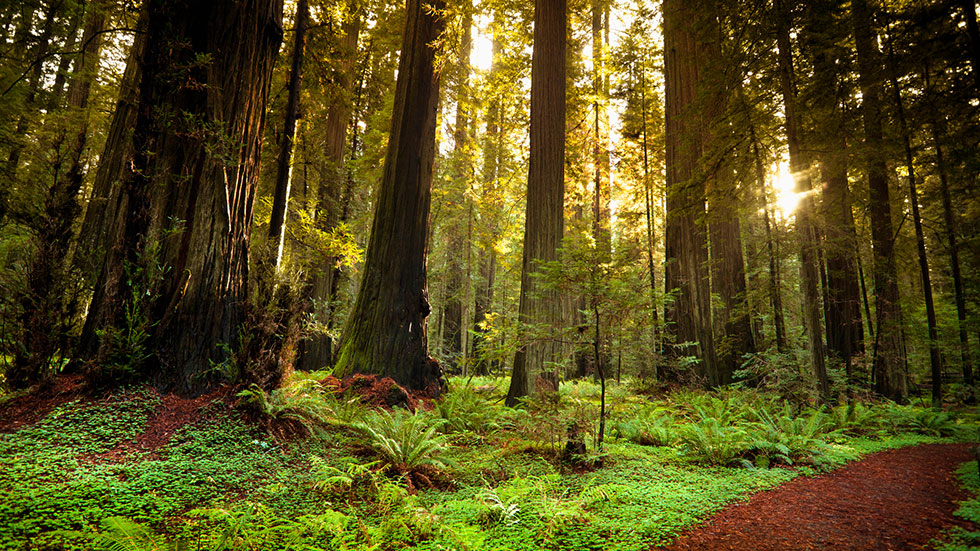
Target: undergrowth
x=74 y=481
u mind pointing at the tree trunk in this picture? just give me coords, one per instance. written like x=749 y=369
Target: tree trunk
x=280 y=199
x=332 y=197
x=190 y=187
x=888 y=365
x=935 y=359
x=492 y=147
x=43 y=307
x=969 y=8
x=103 y=214
x=688 y=316
x=386 y=332
x=845 y=334
x=648 y=199
x=544 y=222
x=952 y=233
x=805 y=211
x=453 y=342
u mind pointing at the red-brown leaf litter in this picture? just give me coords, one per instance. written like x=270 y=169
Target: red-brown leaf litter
x=28 y=409
x=892 y=500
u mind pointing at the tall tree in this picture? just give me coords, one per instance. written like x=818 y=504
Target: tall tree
x=809 y=240
x=890 y=378
x=544 y=219
x=825 y=105
x=935 y=358
x=453 y=328
x=332 y=193
x=386 y=331
x=280 y=200
x=41 y=299
x=689 y=314
x=191 y=184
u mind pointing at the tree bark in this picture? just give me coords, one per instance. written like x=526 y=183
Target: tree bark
x=688 y=316
x=805 y=211
x=190 y=187
x=935 y=358
x=103 y=214
x=544 y=221
x=888 y=365
x=845 y=334
x=386 y=332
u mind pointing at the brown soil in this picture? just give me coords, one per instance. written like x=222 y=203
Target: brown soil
x=30 y=408
x=379 y=392
x=895 y=500
x=173 y=413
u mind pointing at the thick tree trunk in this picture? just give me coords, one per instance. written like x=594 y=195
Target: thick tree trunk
x=103 y=214
x=280 y=198
x=540 y=309
x=890 y=376
x=805 y=211
x=191 y=185
x=386 y=332
x=845 y=334
x=688 y=316
x=332 y=197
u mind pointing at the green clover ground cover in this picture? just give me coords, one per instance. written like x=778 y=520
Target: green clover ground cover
x=222 y=484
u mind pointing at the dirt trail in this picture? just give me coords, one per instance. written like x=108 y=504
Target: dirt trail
x=892 y=500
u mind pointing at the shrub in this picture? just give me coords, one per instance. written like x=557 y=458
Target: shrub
x=298 y=404
x=712 y=442
x=464 y=410
x=404 y=440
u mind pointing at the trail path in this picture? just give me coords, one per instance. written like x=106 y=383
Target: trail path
x=892 y=500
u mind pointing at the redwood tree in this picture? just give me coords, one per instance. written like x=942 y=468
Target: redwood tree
x=386 y=331
x=544 y=220
x=190 y=187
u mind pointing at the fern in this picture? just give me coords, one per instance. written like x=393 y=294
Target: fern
x=122 y=534
x=404 y=440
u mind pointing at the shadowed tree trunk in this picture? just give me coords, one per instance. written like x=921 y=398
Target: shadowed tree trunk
x=688 y=315
x=952 y=240
x=332 y=196
x=42 y=300
x=544 y=219
x=890 y=379
x=845 y=334
x=103 y=214
x=190 y=188
x=805 y=211
x=386 y=332
x=935 y=359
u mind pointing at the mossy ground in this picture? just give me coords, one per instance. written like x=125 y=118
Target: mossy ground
x=221 y=483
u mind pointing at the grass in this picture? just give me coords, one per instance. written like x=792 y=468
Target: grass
x=222 y=484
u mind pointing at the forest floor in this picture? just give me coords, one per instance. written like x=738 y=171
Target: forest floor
x=895 y=499
x=88 y=470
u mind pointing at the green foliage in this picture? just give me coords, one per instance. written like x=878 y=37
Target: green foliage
x=711 y=441
x=301 y=402
x=404 y=440
x=463 y=410
x=648 y=426
x=122 y=534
